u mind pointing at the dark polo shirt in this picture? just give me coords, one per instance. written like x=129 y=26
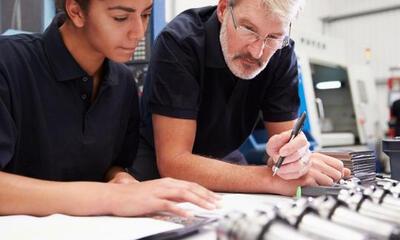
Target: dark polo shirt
x=49 y=128
x=189 y=79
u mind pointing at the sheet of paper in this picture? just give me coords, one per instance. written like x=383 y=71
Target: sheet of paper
x=67 y=227
x=239 y=202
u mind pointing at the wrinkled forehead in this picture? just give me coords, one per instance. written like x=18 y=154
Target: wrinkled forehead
x=259 y=9
x=259 y=16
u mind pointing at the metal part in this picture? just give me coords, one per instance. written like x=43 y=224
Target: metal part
x=306 y=219
x=260 y=225
x=337 y=211
x=363 y=204
x=382 y=197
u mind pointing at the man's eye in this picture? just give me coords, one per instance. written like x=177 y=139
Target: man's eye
x=248 y=28
x=120 y=19
x=276 y=37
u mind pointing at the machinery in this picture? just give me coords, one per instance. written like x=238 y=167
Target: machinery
x=339 y=98
x=141 y=58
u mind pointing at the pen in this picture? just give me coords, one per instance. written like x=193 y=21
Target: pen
x=296 y=130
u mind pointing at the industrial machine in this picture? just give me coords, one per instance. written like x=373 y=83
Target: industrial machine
x=339 y=98
x=141 y=57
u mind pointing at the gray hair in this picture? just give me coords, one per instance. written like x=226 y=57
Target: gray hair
x=287 y=10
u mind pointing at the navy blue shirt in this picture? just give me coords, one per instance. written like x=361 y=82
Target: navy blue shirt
x=49 y=128
x=189 y=79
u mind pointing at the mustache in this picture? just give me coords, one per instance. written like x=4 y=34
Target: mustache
x=247 y=57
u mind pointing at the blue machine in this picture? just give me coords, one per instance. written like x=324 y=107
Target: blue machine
x=254 y=147
x=141 y=58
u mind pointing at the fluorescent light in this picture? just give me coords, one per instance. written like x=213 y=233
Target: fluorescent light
x=329 y=85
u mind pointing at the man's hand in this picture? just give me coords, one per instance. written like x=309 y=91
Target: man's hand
x=297 y=155
x=160 y=195
x=325 y=170
x=299 y=161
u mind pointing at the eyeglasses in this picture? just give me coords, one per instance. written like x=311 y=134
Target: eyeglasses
x=252 y=37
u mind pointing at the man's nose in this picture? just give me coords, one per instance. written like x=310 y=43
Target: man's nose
x=257 y=48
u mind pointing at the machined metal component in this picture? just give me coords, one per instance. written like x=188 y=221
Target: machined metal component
x=338 y=212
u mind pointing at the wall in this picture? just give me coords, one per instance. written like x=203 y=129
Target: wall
x=309 y=18
x=174 y=7
x=31 y=15
x=380 y=33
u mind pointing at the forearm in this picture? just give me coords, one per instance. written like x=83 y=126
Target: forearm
x=22 y=195
x=225 y=177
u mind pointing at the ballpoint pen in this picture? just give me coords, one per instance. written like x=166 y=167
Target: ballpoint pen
x=296 y=130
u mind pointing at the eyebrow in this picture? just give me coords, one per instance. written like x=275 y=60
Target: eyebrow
x=246 y=21
x=128 y=9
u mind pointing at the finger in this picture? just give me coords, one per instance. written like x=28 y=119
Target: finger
x=296 y=156
x=182 y=191
x=183 y=195
x=299 y=142
x=298 y=165
x=290 y=168
x=276 y=142
x=346 y=172
x=320 y=178
x=197 y=189
x=296 y=169
x=171 y=207
x=326 y=169
x=331 y=161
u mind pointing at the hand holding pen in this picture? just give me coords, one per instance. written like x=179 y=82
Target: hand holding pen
x=296 y=130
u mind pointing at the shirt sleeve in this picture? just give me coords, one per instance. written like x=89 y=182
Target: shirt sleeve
x=174 y=89
x=128 y=148
x=8 y=132
x=281 y=101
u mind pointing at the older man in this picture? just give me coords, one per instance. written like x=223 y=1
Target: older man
x=212 y=71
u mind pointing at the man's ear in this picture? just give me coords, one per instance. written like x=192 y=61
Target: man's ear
x=221 y=9
x=75 y=13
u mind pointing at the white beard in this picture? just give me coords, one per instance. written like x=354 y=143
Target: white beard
x=237 y=70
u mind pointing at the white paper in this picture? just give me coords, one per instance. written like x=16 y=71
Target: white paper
x=67 y=227
x=58 y=226
x=239 y=202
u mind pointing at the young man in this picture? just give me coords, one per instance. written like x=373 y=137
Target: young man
x=69 y=118
x=212 y=71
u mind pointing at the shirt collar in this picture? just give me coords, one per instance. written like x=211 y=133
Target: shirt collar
x=214 y=55
x=63 y=63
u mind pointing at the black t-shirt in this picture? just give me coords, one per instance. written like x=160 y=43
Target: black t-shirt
x=49 y=129
x=189 y=79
